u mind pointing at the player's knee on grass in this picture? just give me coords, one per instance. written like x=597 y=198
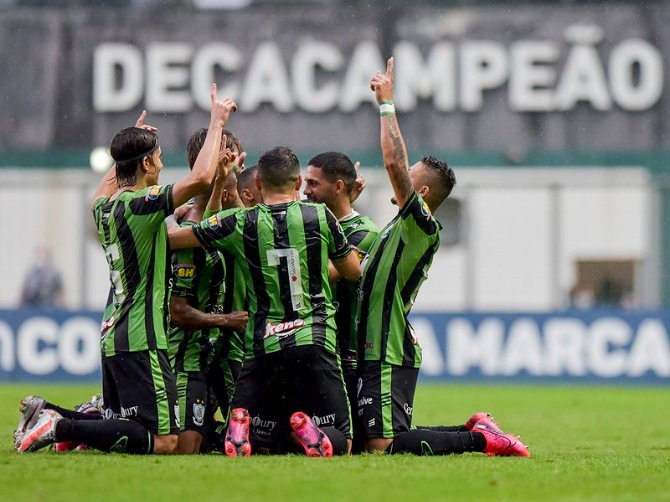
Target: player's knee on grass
x=165 y=444
x=188 y=443
x=377 y=445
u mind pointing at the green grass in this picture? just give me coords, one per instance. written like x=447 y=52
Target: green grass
x=588 y=443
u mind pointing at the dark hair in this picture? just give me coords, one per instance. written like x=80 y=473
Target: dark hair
x=245 y=178
x=197 y=140
x=443 y=177
x=129 y=147
x=278 y=168
x=336 y=166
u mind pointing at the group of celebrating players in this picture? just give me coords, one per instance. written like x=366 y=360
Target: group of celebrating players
x=289 y=316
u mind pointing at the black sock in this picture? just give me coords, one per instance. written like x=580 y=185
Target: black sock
x=74 y=415
x=428 y=442
x=117 y=435
x=214 y=437
x=443 y=428
x=337 y=439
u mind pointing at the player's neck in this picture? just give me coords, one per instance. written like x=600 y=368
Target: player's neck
x=272 y=198
x=341 y=209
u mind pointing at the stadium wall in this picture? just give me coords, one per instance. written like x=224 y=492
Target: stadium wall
x=567 y=346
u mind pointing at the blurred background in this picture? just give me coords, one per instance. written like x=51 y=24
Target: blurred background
x=555 y=254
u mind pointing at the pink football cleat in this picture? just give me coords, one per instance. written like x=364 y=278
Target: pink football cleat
x=498 y=443
x=313 y=440
x=482 y=415
x=237 y=436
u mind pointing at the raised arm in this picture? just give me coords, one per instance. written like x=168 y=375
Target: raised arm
x=394 y=152
x=200 y=178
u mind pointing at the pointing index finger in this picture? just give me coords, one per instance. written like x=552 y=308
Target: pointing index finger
x=389 y=67
x=213 y=92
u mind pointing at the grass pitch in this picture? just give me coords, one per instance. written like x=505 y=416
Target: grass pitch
x=588 y=443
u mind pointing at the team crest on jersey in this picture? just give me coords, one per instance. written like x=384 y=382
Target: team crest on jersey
x=198 y=414
x=282 y=329
x=213 y=221
x=153 y=192
x=184 y=271
x=425 y=210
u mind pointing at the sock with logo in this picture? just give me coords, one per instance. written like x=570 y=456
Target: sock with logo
x=337 y=439
x=443 y=428
x=117 y=435
x=74 y=415
x=428 y=442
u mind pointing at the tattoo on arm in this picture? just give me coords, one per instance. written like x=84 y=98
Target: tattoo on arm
x=400 y=174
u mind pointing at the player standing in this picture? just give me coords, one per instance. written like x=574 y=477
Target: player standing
x=290 y=366
x=129 y=208
x=331 y=179
x=396 y=266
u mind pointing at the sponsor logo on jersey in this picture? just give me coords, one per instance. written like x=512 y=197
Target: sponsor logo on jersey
x=153 y=192
x=425 y=211
x=184 y=271
x=106 y=325
x=213 y=221
x=282 y=329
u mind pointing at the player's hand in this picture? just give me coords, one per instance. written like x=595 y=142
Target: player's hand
x=181 y=211
x=237 y=320
x=359 y=184
x=221 y=109
x=382 y=84
x=140 y=123
x=240 y=162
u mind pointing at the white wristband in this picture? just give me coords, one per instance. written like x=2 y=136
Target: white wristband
x=386 y=109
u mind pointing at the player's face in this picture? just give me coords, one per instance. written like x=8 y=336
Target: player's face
x=317 y=186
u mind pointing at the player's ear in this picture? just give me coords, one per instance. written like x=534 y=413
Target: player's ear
x=298 y=183
x=257 y=181
x=425 y=190
x=339 y=185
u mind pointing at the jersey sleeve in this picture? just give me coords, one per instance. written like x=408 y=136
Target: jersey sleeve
x=361 y=242
x=338 y=246
x=154 y=201
x=416 y=220
x=218 y=231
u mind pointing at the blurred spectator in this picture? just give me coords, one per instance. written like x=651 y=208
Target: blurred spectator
x=582 y=296
x=43 y=286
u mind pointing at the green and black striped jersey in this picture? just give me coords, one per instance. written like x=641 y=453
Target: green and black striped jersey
x=361 y=232
x=231 y=344
x=198 y=275
x=393 y=271
x=283 y=252
x=132 y=231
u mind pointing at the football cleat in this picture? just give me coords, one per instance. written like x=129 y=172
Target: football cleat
x=498 y=443
x=312 y=439
x=89 y=407
x=30 y=408
x=237 y=435
x=42 y=434
x=482 y=415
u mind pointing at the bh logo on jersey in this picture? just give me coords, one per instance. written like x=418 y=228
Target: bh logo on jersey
x=154 y=192
x=282 y=329
x=213 y=221
x=184 y=271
